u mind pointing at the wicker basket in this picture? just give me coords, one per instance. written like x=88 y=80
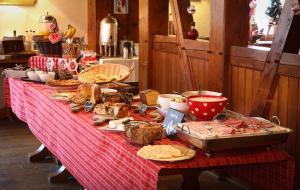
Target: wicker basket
x=72 y=50
x=89 y=75
x=46 y=48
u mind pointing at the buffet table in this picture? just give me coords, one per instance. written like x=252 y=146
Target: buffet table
x=104 y=160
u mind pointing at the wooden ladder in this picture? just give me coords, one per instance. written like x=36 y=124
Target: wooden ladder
x=266 y=90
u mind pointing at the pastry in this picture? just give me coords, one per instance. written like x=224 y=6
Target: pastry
x=114 y=97
x=95 y=93
x=120 y=110
x=64 y=83
x=85 y=90
x=149 y=97
x=143 y=133
x=79 y=99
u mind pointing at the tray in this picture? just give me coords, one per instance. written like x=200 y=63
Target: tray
x=28 y=80
x=220 y=144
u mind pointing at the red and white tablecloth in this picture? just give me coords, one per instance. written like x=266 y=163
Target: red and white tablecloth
x=104 y=160
x=40 y=62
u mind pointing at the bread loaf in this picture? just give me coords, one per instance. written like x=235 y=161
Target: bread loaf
x=120 y=110
x=149 y=97
x=95 y=93
x=144 y=134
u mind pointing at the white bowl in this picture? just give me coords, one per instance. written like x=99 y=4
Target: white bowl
x=182 y=107
x=201 y=92
x=15 y=73
x=33 y=75
x=44 y=77
x=163 y=100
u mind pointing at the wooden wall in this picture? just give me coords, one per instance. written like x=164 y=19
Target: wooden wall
x=167 y=75
x=246 y=65
x=128 y=23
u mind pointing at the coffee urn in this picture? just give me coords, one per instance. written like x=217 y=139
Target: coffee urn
x=108 y=38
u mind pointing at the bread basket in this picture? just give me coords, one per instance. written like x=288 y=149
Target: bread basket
x=114 y=72
x=46 y=48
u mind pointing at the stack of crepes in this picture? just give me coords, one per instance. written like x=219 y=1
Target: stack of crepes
x=170 y=153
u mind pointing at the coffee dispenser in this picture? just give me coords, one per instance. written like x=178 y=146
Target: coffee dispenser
x=108 y=38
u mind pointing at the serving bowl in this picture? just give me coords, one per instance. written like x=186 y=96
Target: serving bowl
x=15 y=73
x=201 y=92
x=44 y=77
x=34 y=75
x=164 y=100
x=180 y=106
x=205 y=108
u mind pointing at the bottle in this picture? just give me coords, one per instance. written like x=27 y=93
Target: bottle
x=126 y=48
x=15 y=33
x=27 y=44
x=33 y=45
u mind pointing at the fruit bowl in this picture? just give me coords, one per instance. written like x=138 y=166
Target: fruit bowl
x=205 y=108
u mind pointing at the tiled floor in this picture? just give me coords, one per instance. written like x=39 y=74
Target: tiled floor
x=16 y=173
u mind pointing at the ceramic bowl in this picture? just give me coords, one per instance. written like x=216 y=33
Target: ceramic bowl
x=44 y=77
x=182 y=106
x=163 y=100
x=201 y=92
x=205 y=108
x=15 y=73
x=34 y=75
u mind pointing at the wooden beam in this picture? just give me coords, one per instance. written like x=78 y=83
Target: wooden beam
x=164 y=39
x=153 y=19
x=182 y=21
x=269 y=81
x=92 y=43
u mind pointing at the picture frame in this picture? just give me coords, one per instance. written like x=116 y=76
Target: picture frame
x=121 y=6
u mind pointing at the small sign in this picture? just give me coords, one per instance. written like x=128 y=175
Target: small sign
x=128 y=98
x=173 y=117
x=143 y=109
x=72 y=66
x=88 y=106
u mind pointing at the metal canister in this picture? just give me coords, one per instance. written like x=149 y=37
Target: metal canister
x=108 y=35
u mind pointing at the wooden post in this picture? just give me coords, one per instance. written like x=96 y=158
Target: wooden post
x=92 y=25
x=265 y=93
x=182 y=21
x=153 y=19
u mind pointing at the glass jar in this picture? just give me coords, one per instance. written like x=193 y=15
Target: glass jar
x=48 y=25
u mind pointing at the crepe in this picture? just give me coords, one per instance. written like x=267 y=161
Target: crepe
x=166 y=152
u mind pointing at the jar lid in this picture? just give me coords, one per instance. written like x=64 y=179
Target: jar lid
x=47 y=18
x=109 y=20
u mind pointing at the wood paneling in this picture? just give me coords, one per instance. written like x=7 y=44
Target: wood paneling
x=167 y=75
x=245 y=79
x=128 y=23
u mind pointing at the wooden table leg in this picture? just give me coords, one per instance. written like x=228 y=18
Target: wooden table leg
x=40 y=154
x=59 y=176
x=190 y=180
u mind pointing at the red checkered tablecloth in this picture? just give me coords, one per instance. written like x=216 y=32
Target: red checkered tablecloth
x=104 y=160
x=40 y=62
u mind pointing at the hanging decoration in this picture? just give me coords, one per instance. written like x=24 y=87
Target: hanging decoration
x=192 y=33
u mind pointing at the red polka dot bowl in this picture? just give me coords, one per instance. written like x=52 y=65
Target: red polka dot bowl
x=205 y=108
